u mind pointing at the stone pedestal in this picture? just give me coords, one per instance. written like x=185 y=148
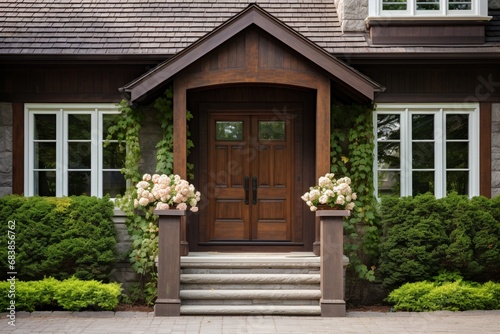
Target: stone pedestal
x=168 y=302
x=332 y=262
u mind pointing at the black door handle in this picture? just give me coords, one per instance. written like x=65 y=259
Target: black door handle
x=254 y=190
x=247 y=186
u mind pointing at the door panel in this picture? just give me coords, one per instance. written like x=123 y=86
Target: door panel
x=251 y=168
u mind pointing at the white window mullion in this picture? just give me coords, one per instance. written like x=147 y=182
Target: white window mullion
x=406 y=165
x=474 y=156
x=440 y=154
x=61 y=155
x=96 y=187
x=28 y=152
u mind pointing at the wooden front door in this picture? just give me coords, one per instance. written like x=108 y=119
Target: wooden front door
x=250 y=169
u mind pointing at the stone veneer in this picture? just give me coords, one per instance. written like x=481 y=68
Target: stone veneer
x=495 y=149
x=352 y=14
x=5 y=149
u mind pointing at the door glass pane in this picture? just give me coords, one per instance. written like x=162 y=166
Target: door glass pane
x=388 y=127
x=79 y=155
x=44 y=183
x=457 y=126
x=109 y=120
x=112 y=156
x=79 y=126
x=422 y=155
x=78 y=183
x=113 y=183
x=389 y=183
x=271 y=130
x=427 y=4
x=422 y=182
x=229 y=130
x=44 y=127
x=457 y=155
x=388 y=155
x=394 y=4
x=422 y=127
x=457 y=182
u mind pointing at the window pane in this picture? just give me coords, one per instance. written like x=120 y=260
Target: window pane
x=45 y=127
x=394 y=4
x=113 y=157
x=271 y=130
x=113 y=183
x=457 y=155
x=423 y=182
x=427 y=4
x=388 y=127
x=422 y=126
x=78 y=183
x=457 y=126
x=457 y=182
x=388 y=155
x=389 y=184
x=109 y=120
x=79 y=126
x=423 y=155
x=229 y=131
x=45 y=155
x=44 y=183
x=79 y=155
x=459 y=5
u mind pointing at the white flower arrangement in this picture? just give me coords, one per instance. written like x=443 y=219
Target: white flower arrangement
x=166 y=192
x=331 y=192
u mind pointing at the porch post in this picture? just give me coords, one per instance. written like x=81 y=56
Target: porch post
x=168 y=302
x=332 y=262
x=322 y=143
x=180 y=147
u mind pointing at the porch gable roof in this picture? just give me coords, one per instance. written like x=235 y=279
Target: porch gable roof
x=252 y=15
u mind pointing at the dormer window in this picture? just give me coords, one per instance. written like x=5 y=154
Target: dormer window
x=395 y=8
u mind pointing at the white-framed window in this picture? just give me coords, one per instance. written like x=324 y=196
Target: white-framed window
x=424 y=148
x=427 y=8
x=66 y=151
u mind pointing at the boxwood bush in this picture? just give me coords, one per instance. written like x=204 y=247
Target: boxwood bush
x=423 y=236
x=71 y=295
x=59 y=237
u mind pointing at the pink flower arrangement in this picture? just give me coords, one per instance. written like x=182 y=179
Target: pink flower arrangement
x=331 y=192
x=165 y=192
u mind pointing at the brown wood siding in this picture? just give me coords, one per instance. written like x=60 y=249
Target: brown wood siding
x=427 y=35
x=65 y=83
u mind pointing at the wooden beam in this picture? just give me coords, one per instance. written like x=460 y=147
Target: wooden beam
x=323 y=128
x=180 y=132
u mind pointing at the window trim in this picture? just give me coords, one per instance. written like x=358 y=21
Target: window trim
x=479 y=9
x=62 y=111
x=439 y=110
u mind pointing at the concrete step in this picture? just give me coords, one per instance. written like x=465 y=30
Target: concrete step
x=250 y=309
x=250 y=294
x=250 y=278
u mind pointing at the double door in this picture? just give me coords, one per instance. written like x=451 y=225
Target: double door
x=250 y=172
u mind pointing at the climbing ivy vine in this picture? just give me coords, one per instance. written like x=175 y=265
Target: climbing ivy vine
x=143 y=226
x=352 y=148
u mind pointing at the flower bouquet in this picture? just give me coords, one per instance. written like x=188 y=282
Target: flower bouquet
x=165 y=192
x=335 y=194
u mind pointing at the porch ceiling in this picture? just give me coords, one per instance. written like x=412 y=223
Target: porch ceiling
x=252 y=15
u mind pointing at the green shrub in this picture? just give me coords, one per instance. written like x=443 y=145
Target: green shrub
x=451 y=296
x=422 y=236
x=59 y=237
x=71 y=295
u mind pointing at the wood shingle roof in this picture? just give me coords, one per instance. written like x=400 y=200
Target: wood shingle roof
x=165 y=27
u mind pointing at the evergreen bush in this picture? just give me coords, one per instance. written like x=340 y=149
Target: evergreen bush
x=59 y=237
x=423 y=236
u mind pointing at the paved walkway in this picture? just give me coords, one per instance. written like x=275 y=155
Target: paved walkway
x=476 y=322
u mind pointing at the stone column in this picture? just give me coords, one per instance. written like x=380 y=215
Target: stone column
x=168 y=303
x=332 y=262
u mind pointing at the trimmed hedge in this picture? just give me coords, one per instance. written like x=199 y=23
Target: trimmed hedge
x=59 y=237
x=424 y=236
x=71 y=295
x=451 y=296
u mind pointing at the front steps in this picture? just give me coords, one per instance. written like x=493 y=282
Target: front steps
x=250 y=283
